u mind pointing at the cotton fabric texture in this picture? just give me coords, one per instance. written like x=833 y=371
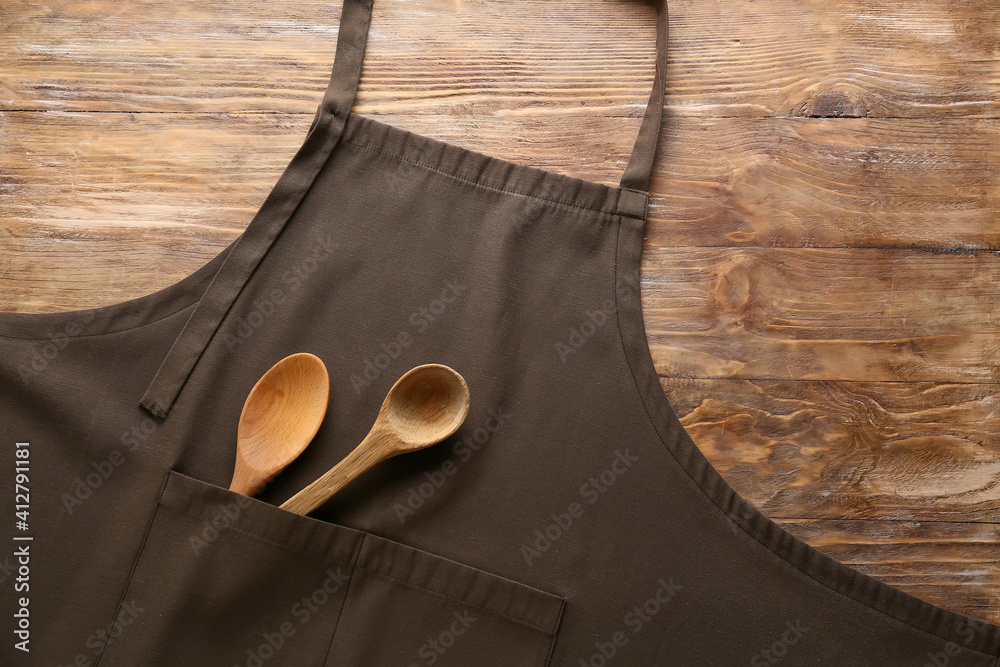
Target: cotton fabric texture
x=571 y=521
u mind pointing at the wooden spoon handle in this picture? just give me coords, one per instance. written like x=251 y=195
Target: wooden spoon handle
x=244 y=481
x=376 y=447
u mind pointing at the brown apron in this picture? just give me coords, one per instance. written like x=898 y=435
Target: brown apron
x=571 y=521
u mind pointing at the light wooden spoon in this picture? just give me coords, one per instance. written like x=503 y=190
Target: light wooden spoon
x=424 y=407
x=280 y=417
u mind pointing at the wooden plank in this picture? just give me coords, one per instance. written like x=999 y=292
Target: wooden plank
x=99 y=208
x=827 y=183
x=850 y=450
x=777 y=182
x=91 y=171
x=823 y=314
x=954 y=565
x=893 y=58
x=730 y=181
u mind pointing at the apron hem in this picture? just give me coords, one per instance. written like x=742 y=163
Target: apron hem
x=826 y=570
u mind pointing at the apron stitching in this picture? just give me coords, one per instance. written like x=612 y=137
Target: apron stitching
x=492 y=610
x=555 y=633
x=347 y=593
x=262 y=538
x=109 y=332
x=135 y=566
x=798 y=544
x=494 y=188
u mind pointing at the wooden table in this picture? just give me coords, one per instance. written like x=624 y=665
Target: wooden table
x=821 y=282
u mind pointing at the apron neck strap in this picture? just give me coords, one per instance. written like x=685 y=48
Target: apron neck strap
x=353 y=36
x=640 y=165
x=327 y=127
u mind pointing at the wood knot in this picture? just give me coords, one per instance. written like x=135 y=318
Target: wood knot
x=834 y=105
x=736 y=292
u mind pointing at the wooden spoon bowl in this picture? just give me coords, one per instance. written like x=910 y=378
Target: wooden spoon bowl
x=424 y=407
x=427 y=404
x=280 y=417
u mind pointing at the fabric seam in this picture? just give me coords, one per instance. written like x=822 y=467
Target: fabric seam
x=673 y=455
x=287 y=547
x=370 y=570
x=347 y=593
x=423 y=589
x=396 y=156
x=103 y=333
x=266 y=226
x=131 y=574
x=555 y=633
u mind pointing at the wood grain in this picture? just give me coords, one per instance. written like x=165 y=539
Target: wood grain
x=824 y=313
x=820 y=283
x=894 y=58
x=798 y=449
x=281 y=415
x=950 y=564
x=80 y=182
x=828 y=182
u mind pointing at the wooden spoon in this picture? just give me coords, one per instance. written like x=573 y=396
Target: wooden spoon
x=281 y=416
x=424 y=407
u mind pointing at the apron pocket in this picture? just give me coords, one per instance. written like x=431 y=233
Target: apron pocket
x=409 y=608
x=225 y=580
